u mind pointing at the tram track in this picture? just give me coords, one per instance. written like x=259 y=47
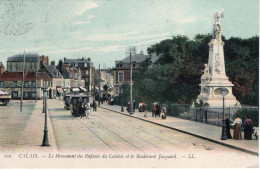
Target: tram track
x=96 y=135
x=114 y=133
x=140 y=130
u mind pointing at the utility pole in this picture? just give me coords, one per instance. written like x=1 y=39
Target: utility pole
x=99 y=85
x=131 y=83
x=21 y=105
x=35 y=81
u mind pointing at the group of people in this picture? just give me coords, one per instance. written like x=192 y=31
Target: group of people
x=249 y=130
x=157 y=110
x=84 y=109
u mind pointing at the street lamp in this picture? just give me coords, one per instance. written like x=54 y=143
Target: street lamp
x=122 y=108
x=223 y=134
x=45 y=141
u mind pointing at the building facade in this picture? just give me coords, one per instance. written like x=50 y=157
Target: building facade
x=32 y=62
x=87 y=70
x=11 y=82
x=72 y=76
x=122 y=72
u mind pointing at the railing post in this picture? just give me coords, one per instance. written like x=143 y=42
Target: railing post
x=196 y=114
x=218 y=118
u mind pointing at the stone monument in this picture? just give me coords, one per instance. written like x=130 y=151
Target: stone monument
x=214 y=77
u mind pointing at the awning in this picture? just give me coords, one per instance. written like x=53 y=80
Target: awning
x=75 y=89
x=82 y=88
x=60 y=90
x=3 y=93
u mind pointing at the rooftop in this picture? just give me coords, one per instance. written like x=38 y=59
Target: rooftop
x=28 y=76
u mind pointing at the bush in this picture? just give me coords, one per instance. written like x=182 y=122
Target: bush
x=177 y=109
x=253 y=114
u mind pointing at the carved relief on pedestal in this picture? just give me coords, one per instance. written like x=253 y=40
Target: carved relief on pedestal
x=218 y=92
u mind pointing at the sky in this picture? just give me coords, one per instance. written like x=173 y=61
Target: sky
x=105 y=29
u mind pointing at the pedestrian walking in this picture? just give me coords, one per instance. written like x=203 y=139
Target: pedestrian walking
x=256 y=131
x=94 y=106
x=237 y=129
x=81 y=110
x=158 y=108
x=145 y=109
x=87 y=109
x=134 y=105
x=128 y=106
x=154 y=109
x=227 y=121
x=164 y=112
x=248 y=125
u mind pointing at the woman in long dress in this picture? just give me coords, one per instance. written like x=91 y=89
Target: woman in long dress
x=237 y=130
x=248 y=125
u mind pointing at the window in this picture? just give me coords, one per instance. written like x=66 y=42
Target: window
x=26 y=94
x=121 y=65
x=1 y=84
x=14 y=84
x=26 y=84
x=133 y=65
x=33 y=94
x=15 y=94
x=33 y=84
x=120 y=77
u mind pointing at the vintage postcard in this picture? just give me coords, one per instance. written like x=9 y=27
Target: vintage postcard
x=129 y=84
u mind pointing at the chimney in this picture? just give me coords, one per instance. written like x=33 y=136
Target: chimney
x=53 y=63
x=41 y=64
x=2 y=68
x=60 y=65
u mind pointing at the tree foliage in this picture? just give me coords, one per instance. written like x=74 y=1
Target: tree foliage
x=175 y=76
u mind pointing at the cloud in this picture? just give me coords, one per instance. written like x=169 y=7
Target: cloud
x=81 y=22
x=123 y=36
x=82 y=8
x=90 y=16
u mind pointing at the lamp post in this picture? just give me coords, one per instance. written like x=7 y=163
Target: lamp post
x=122 y=108
x=45 y=141
x=223 y=134
x=99 y=77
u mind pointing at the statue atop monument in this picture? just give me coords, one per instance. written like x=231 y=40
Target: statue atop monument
x=217 y=26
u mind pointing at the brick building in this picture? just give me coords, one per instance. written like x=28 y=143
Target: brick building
x=122 y=70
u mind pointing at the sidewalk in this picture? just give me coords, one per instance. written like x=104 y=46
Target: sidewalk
x=32 y=136
x=201 y=130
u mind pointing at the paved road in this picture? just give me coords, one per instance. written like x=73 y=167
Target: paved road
x=108 y=132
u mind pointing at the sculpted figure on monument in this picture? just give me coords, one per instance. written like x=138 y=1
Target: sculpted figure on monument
x=206 y=74
x=217 y=26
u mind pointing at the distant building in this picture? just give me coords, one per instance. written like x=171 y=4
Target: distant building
x=122 y=68
x=107 y=81
x=32 y=62
x=87 y=70
x=11 y=82
x=57 y=79
x=72 y=76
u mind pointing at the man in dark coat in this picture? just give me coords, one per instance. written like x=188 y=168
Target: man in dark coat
x=134 y=105
x=227 y=121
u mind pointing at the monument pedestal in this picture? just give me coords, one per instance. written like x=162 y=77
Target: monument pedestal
x=214 y=79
